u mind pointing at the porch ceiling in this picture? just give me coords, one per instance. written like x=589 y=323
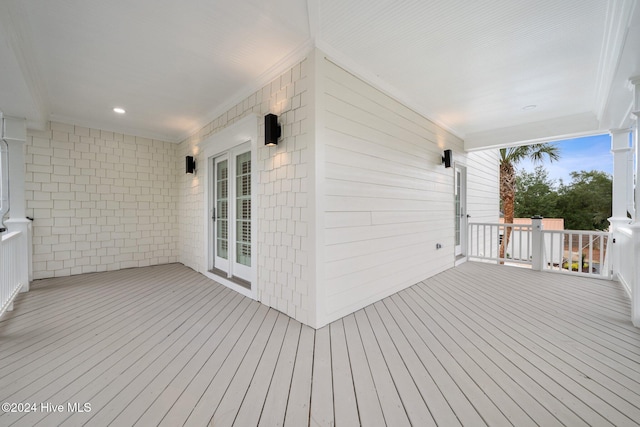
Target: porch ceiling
x=469 y=66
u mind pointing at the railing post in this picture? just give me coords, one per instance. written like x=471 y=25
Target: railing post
x=537 y=244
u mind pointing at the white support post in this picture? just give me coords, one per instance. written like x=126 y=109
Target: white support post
x=635 y=227
x=635 y=281
x=622 y=187
x=635 y=84
x=15 y=133
x=537 y=244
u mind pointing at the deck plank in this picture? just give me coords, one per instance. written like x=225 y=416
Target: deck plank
x=520 y=369
x=272 y=411
x=239 y=337
x=478 y=344
x=554 y=379
x=322 y=409
x=369 y=406
x=391 y=404
x=412 y=400
x=344 y=394
x=298 y=410
x=251 y=382
x=165 y=361
x=567 y=343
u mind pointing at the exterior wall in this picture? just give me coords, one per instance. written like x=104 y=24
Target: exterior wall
x=483 y=191
x=387 y=200
x=100 y=200
x=351 y=203
x=283 y=193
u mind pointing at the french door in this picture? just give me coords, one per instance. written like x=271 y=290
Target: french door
x=231 y=213
x=460 y=193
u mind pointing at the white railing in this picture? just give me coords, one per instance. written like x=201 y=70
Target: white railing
x=568 y=251
x=485 y=240
x=578 y=252
x=627 y=244
x=13 y=266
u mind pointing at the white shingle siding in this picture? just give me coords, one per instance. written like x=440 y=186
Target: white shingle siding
x=283 y=180
x=100 y=200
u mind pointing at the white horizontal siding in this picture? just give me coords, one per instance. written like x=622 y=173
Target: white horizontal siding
x=483 y=196
x=387 y=199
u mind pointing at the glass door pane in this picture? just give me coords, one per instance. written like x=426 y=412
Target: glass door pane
x=222 y=210
x=243 y=209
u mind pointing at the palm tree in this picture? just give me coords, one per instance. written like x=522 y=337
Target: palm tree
x=509 y=158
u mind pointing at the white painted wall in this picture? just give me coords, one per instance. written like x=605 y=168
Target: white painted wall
x=283 y=194
x=386 y=198
x=100 y=200
x=483 y=191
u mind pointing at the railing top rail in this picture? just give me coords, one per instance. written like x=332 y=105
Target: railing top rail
x=591 y=232
x=500 y=224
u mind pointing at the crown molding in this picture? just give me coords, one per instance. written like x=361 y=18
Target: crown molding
x=618 y=20
x=110 y=127
x=19 y=41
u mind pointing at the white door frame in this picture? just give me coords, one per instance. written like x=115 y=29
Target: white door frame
x=217 y=261
x=244 y=131
x=461 y=179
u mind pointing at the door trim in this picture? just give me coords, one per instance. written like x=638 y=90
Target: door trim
x=461 y=251
x=242 y=132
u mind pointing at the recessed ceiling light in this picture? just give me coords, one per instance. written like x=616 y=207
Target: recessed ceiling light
x=119 y=110
x=529 y=107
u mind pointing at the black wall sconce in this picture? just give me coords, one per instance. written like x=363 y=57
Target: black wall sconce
x=190 y=164
x=272 y=130
x=447 y=158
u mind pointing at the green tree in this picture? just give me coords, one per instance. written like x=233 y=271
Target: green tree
x=535 y=194
x=509 y=158
x=585 y=203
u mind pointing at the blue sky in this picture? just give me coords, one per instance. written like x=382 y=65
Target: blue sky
x=587 y=153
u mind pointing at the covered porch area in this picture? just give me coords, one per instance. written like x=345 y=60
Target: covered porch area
x=479 y=344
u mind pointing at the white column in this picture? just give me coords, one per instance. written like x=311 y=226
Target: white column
x=635 y=83
x=621 y=192
x=635 y=290
x=15 y=133
x=622 y=188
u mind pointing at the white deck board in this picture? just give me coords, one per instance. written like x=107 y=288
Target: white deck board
x=476 y=345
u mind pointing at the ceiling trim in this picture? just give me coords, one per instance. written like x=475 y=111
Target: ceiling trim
x=369 y=77
x=556 y=129
x=280 y=67
x=618 y=20
x=19 y=40
x=110 y=127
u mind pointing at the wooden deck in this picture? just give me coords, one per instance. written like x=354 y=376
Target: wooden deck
x=476 y=345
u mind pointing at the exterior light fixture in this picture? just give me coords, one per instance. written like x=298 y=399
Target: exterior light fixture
x=447 y=158
x=119 y=110
x=272 y=130
x=190 y=164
